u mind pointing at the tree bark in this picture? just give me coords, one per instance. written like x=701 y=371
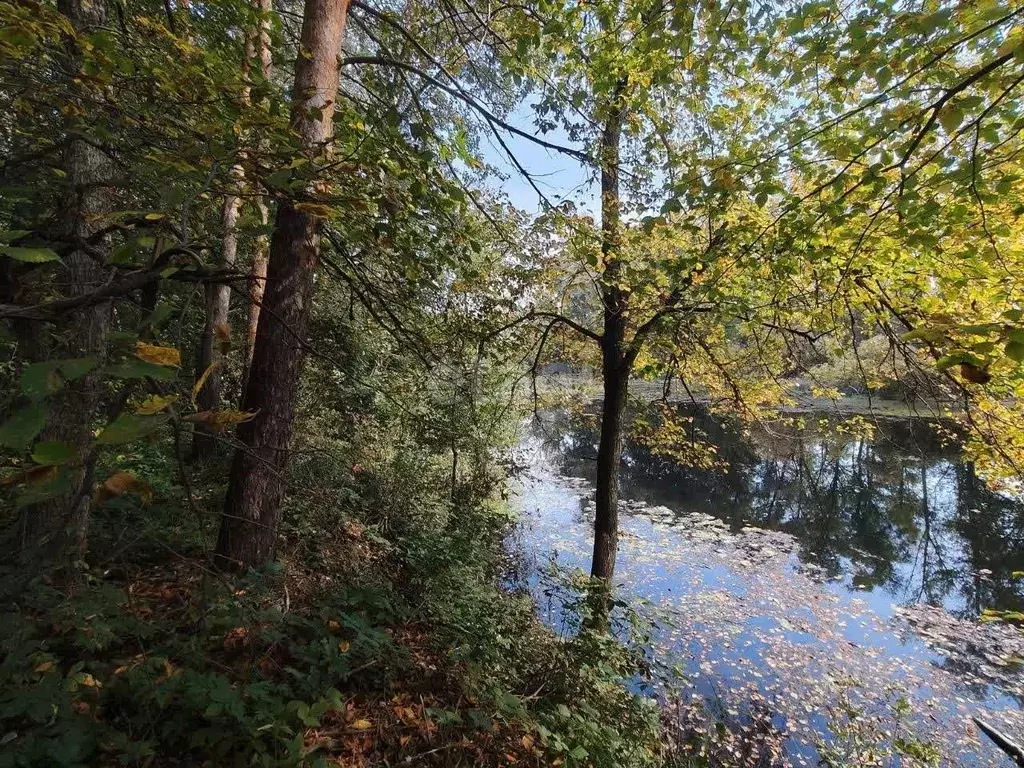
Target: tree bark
x=257 y=281
x=252 y=509
x=54 y=533
x=258 y=49
x=218 y=302
x=615 y=355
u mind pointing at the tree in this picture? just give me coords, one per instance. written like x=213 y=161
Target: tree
x=646 y=65
x=252 y=507
x=54 y=531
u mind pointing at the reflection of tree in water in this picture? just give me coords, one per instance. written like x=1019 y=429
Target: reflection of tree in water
x=898 y=510
x=990 y=527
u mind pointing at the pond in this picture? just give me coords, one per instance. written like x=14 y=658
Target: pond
x=821 y=585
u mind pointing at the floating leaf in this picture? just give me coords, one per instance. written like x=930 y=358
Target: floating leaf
x=131 y=427
x=21 y=429
x=53 y=453
x=152 y=353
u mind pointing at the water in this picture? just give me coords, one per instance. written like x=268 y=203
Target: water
x=857 y=616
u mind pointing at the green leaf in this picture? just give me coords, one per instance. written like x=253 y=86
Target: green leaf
x=41 y=380
x=131 y=427
x=53 y=453
x=30 y=255
x=22 y=427
x=76 y=367
x=140 y=369
x=951 y=117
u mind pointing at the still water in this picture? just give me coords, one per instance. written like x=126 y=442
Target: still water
x=834 y=580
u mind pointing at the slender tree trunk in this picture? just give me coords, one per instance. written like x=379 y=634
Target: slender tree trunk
x=252 y=509
x=218 y=296
x=615 y=355
x=259 y=48
x=53 y=533
x=257 y=281
x=218 y=302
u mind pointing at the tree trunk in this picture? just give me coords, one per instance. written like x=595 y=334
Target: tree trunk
x=609 y=454
x=252 y=509
x=258 y=49
x=53 y=533
x=615 y=356
x=218 y=302
x=218 y=296
x=257 y=281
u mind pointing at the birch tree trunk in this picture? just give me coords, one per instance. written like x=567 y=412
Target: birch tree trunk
x=252 y=509
x=260 y=43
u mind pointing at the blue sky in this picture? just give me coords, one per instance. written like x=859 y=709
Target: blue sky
x=559 y=176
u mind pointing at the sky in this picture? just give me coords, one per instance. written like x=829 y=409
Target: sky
x=559 y=176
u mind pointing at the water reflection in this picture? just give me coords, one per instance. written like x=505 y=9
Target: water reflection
x=899 y=513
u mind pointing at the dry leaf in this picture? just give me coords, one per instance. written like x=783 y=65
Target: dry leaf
x=31 y=476
x=223 y=333
x=88 y=680
x=202 y=379
x=46 y=666
x=220 y=421
x=157 y=355
x=121 y=483
x=362 y=725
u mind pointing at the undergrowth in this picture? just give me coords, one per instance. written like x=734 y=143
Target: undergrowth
x=383 y=636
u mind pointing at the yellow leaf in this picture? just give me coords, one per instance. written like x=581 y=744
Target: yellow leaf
x=202 y=379
x=88 y=680
x=362 y=725
x=46 y=666
x=344 y=645
x=155 y=404
x=157 y=355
